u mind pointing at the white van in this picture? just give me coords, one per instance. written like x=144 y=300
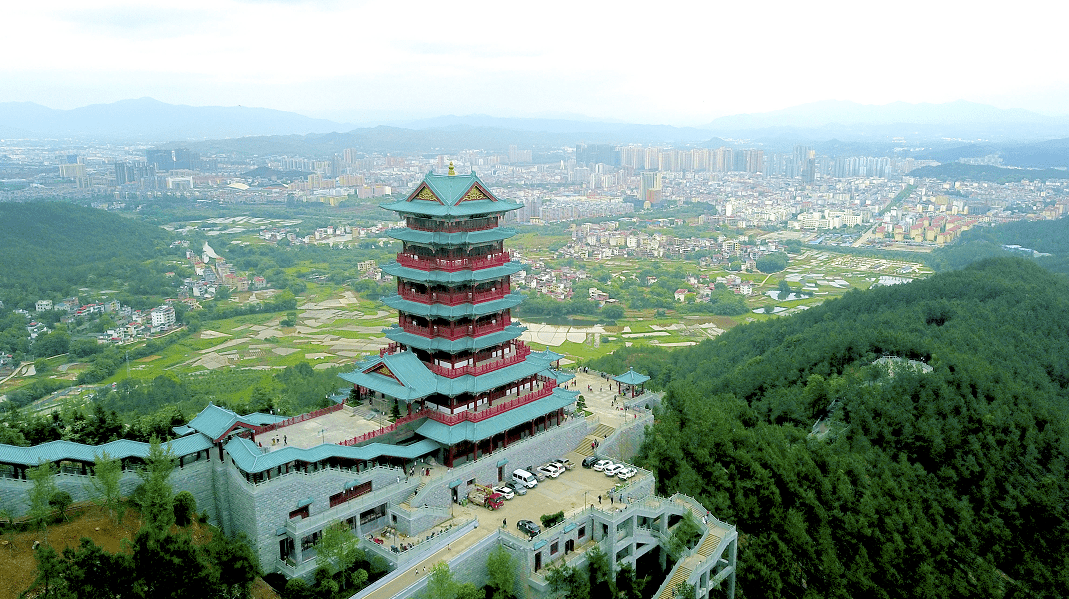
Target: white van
x=525 y=478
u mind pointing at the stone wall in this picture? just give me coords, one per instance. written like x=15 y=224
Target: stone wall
x=623 y=444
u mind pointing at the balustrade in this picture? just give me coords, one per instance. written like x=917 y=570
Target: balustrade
x=454 y=298
x=428 y=263
x=453 y=333
x=522 y=351
x=475 y=224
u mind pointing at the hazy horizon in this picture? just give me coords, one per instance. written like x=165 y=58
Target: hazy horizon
x=682 y=65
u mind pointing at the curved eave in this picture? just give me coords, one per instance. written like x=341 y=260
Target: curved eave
x=439 y=238
x=452 y=278
x=57 y=451
x=249 y=457
x=396 y=333
x=477 y=431
x=490 y=380
x=423 y=208
x=452 y=312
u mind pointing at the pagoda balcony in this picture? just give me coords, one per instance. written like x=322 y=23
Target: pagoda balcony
x=428 y=263
x=519 y=353
x=454 y=298
x=455 y=332
x=497 y=406
x=466 y=226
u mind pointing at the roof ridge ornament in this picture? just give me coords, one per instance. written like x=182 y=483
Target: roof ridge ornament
x=452 y=173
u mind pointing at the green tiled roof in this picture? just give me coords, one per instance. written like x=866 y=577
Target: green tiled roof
x=439 y=238
x=453 y=312
x=417 y=381
x=396 y=333
x=55 y=451
x=631 y=377
x=215 y=421
x=452 y=278
x=477 y=431
x=450 y=189
x=251 y=458
x=414 y=380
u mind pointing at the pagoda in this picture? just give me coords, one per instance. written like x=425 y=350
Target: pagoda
x=455 y=365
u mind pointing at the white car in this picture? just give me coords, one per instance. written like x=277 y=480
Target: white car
x=505 y=491
x=602 y=465
x=614 y=469
x=559 y=468
x=627 y=473
x=547 y=471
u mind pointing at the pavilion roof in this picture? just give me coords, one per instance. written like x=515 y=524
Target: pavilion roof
x=451 y=196
x=631 y=377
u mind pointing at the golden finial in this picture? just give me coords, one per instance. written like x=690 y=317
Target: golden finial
x=452 y=173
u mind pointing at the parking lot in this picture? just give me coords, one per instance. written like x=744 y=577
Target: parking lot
x=570 y=492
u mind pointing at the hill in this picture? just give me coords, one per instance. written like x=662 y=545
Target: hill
x=51 y=249
x=948 y=483
x=957 y=171
x=149 y=119
x=1045 y=241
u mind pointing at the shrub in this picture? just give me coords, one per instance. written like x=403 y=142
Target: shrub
x=185 y=507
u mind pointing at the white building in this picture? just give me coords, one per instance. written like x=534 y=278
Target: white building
x=162 y=317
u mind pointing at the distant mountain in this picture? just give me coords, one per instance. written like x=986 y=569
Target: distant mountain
x=152 y=120
x=851 y=121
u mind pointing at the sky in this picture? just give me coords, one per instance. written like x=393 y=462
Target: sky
x=666 y=62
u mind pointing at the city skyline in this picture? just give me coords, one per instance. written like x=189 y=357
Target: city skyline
x=367 y=62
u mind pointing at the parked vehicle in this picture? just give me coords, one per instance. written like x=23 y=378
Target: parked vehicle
x=602 y=465
x=547 y=470
x=516 y=488
x=504 y=491
x=564 y=463
x=525 y=478
x=486 y=496
x=627 y=473
x=589 y=461
x=614 y=469
x=528 y=527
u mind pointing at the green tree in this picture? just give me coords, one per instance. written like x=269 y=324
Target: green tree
x=60 y=501
x=43 y=478
x=502 y=570
x=157 y=497
x=93 y=573
x=185 y=508
x=567 y=582
x=50 y=582
x=338 y=549
x=235 y=563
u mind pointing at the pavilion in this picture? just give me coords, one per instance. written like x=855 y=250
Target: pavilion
x=631 y=381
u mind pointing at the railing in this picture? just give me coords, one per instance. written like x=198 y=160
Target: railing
x=452 y=419
x=456 y=332
x=475 y=224
x=476 y=370
x=452 y=264
x=310 y=415
x=455 y=298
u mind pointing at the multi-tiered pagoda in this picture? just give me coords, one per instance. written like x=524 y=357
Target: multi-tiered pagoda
x=455 y=359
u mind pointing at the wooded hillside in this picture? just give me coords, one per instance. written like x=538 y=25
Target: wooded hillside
x=948 y=483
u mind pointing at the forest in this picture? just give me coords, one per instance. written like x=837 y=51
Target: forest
x=52 y=249
x=939 y=471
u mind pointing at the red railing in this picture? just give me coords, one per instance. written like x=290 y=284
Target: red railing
x=294 y=420
x=452 y=264
x=455 y=332
x=475 y=224
x=452 y=419
x=456 y=298
x=475 y=370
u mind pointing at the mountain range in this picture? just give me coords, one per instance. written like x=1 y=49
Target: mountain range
x=837 y=124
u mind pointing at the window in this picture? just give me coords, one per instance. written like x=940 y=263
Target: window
x=301 y=512
x=582 y=532
x=553 y=548
x=350 y=494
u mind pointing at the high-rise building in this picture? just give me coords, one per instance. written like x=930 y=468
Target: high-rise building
x=650 y=187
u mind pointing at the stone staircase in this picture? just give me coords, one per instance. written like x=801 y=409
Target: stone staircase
x=679 y=575
x=709 y=545
x=599 y=434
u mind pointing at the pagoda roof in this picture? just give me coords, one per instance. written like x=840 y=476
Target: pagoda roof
x=452 y=278
x=451 y=195
x=402 y=375
x=477 y=431
x=631 y=378
x=452 y=312
x=396 y=333
x=442 y=238
x=249 y=457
